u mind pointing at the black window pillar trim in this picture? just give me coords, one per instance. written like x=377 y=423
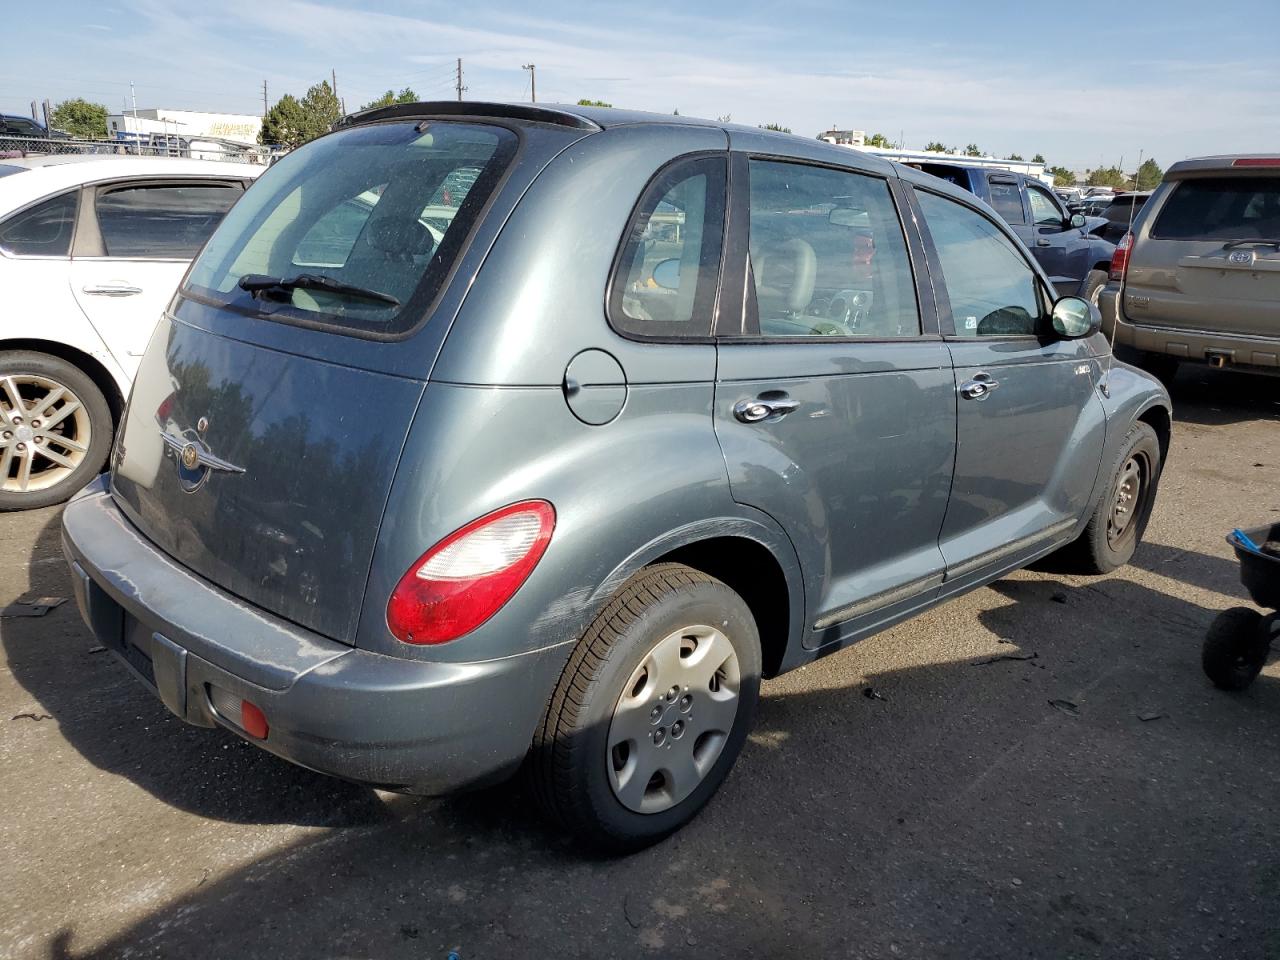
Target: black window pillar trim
x=918 y=253
x=731 y=319
x=937 y=282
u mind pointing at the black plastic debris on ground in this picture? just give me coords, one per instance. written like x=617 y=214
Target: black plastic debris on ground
x=871 y=693
x=31 y=608
x=1066 y=706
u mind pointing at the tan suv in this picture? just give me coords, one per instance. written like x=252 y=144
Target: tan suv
x=1198 y=278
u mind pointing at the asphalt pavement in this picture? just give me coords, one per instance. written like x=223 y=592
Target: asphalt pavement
x=909 y=797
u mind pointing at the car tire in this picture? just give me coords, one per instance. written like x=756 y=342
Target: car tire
x=1091 y=287
x=1120 y=517
x=1235 y=648
x=638 y=707
x=39 y=469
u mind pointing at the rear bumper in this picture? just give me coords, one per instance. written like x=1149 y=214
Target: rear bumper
x=1258 y=354
x=395 y=723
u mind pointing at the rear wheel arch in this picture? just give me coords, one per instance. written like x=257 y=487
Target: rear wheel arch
x=755 y=561
x=92 y=367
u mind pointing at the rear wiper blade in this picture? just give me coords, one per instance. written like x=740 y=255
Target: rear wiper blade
x=1251 y=243
x=256 y=283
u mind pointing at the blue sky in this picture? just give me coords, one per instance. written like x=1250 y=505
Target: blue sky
x=1170 y=78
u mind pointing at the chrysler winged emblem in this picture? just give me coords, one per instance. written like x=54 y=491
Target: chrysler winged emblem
x=194 y=458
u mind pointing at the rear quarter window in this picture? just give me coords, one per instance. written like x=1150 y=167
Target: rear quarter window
x=360 y=229
x=1221 y=208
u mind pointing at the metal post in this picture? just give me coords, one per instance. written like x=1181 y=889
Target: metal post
x=533 y=81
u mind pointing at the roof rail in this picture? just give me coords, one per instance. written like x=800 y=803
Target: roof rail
x=467 y=108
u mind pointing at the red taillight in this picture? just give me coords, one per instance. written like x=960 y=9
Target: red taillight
x=466 y=578
x=1120 y=259
x=165 y=408
x=1256 y=162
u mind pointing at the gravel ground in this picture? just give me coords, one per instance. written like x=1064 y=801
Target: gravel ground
x=958 y=812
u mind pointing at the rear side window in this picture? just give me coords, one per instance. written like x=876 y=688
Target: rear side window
x=992 y=289
x=1007 y=201
x=43 y=230
x=357 y=231
x=669 y=267
x=162 y=221
x=1221 y=208
x=828 y=256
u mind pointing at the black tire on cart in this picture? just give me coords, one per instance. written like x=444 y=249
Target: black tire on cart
x=1235 y=648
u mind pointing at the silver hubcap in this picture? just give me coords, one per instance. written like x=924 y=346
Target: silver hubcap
x=673 y=718
x=1128 y=488
x=44 y=433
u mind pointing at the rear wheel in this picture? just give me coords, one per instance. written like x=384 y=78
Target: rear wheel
x=651 y=711
x=1235 y=648
x=55 y=430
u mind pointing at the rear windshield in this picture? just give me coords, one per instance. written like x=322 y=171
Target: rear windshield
x=357 y=231
x=9 y=169
x=1221 y=208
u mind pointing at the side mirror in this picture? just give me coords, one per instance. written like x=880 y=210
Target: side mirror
x=666 y=273
x=1075 y=318
x=1077 y=220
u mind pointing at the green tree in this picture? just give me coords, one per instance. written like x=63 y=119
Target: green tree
x=285 y=123
x=1062 y=177
x=878 y=140
x=1038 y=158
x=1014 y=156
x=391 y=97
x=293 y=122
x=1149 y=175
x=1107 y=177
x=80 y=118
x=593 y=103
x=972 y=150
x=777 y=128
x=937 y=146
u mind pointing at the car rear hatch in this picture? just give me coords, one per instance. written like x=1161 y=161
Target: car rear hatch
x=271 y=407
x=1207 y=254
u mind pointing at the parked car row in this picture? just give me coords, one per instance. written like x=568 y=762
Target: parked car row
x=433 y=471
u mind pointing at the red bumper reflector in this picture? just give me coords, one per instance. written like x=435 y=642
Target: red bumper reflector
x=253 y=721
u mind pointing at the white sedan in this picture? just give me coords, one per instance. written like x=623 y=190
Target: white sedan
x=91 y=250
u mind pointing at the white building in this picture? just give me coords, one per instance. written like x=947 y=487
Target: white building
x=191 y=124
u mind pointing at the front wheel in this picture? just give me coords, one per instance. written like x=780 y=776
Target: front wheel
x=1118 y=521
x=1091 y=288
x=651 y=711
x=55 y=430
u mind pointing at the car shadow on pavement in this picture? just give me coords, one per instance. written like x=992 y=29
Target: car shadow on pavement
x=120 y=727
x=1209 y=397
x=1081 y=791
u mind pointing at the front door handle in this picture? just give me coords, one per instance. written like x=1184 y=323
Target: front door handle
x=979 y=387
x=1042 y=243
x=769 y=406
x=111 y=290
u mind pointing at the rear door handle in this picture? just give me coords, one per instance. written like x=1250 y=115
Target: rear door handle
x=111 y=290
x=1042 y=243
x=978 y=387
x=769 y=406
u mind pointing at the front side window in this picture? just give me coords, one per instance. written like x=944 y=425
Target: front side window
x=1043 y=210
x=670 y=262
x=162 y=221
x=828 y=255
x=992 y=289
x=1221 y=208
x=44 y=230
x=1006 y=199
x=357 y=231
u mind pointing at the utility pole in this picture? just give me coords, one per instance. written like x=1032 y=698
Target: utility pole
x=264 y=98
x=333 y=75
x=134 y=98
x=458 y=83
x=533 y=81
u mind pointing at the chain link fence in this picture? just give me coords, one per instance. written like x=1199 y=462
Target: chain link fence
x=199 y=148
